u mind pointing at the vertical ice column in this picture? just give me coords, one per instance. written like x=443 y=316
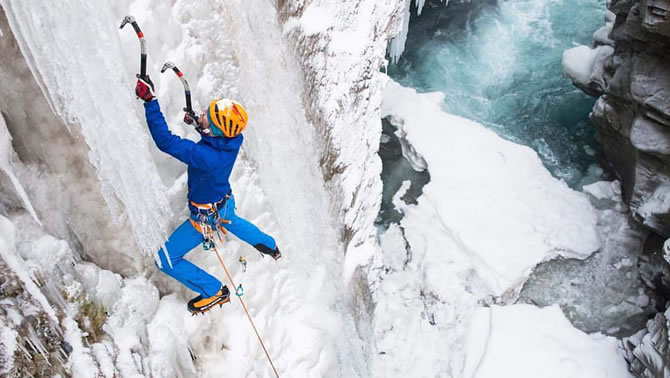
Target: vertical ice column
x=73 y=50
x=6 y=166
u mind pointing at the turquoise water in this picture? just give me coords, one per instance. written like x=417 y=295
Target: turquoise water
x=499 y=63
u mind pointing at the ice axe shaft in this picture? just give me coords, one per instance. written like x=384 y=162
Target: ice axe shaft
x=187 y=88
x=143 y=43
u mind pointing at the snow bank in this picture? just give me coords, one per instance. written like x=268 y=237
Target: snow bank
x=490 y=213
x=525 y=341
x=495 y=198
x=424 y=299
x=578 y=62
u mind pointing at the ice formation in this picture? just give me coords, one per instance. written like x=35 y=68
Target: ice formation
x=92 y=93
x=6 y=155
x=397 y=44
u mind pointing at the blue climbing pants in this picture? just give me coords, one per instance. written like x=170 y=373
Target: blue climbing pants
x=186 y=237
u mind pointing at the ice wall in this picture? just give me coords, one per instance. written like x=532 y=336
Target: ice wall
x=78 y=64
x=51 y=163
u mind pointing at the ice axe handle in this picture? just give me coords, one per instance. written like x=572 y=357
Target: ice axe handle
x=143 y=66
x=143 y=47
x=187 y=88
x=189 y=108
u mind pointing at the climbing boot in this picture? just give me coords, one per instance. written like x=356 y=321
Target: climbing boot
x=199 y=304
x=275 y=254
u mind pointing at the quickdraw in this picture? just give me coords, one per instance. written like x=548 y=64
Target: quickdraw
x=243 y=261
x=207 y=244
x=208 y=224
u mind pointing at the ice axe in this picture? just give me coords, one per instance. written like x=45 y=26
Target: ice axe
x=143 y=44
x=187 y=89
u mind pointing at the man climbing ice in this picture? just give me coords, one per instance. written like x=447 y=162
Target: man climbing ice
x=211 y=202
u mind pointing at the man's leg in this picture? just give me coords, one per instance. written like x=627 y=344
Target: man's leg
x=247 y=231
x=182 y=240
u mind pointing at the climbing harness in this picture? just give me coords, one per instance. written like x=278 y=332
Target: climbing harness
x=208 y=216
x=204 y=226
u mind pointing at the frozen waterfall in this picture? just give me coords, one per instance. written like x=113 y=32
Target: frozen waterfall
x=87 y=199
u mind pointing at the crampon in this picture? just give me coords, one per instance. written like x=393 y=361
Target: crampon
x=200 y=305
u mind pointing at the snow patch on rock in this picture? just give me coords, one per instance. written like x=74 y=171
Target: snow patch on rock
x=579 y=63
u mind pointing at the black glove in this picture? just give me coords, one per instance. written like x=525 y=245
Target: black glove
x=190 y=118
x=144 y=88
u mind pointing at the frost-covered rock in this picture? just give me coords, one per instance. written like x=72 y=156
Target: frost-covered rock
x=632 y=114
x=583 y=65
x=341 y=62
x=648 y=351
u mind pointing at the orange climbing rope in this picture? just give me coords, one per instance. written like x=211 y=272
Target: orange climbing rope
x=244 y=306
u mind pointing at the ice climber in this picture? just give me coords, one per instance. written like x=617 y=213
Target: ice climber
x=211 y=201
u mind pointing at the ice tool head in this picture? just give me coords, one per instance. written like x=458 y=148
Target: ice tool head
x=226 y=118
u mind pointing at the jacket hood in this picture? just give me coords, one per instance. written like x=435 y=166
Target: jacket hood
x=223 y=143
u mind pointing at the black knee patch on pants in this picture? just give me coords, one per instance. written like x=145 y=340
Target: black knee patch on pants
x=264 y=249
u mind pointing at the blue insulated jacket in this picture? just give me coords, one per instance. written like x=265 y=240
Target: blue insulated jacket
x=209 y=161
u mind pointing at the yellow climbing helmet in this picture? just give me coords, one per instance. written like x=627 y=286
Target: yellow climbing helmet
x=226 y=118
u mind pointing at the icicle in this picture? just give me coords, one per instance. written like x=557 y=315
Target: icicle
x=419 y=6
x=24 y=350
x=6 y=152
x=397 y=44
x=35 y=339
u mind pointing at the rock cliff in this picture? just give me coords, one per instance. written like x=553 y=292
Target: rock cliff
x=629 y=71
